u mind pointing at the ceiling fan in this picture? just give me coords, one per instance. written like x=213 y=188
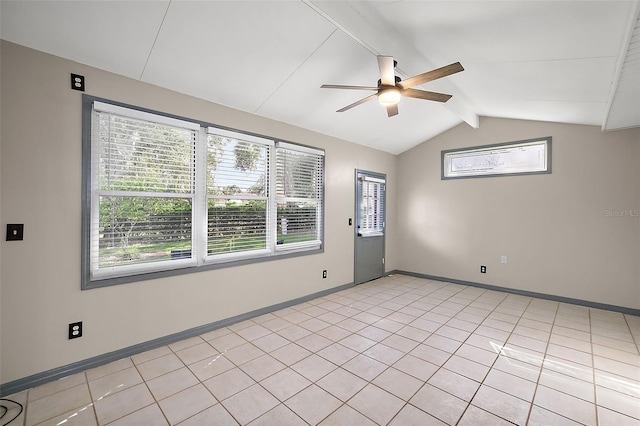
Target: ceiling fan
x=390 y=88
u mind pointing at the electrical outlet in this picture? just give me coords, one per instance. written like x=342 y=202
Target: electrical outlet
x=77 y=82
x=75 y=330
x=324 y=274
x=483 y=269
x=503 y=259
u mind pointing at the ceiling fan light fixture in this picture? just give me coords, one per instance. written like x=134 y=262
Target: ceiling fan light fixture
x=390 y=88
x=389 y=96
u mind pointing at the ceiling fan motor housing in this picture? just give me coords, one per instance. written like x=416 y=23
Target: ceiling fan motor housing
x=398 y=80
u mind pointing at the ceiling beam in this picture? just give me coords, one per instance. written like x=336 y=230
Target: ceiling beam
x=632 y=30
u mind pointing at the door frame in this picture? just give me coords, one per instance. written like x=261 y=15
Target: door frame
x=375 y=175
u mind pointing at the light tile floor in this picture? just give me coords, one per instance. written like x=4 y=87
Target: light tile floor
x=398 y=351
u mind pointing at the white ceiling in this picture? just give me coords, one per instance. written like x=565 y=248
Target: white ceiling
x=562 y=61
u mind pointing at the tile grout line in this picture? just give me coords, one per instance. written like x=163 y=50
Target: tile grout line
x=200 y=382
x=93 y=405
x=492 y=365
x=155 y=401
x=26 y=407
x=461 y=343
x=442 y=366
x=406 y=402
x=271 y=375
x=370 y=382
x=593 y=367
x=314 y=382
x=547 y=341
x=544 y=357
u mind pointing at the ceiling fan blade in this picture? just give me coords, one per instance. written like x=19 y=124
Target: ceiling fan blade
x=387 y=74
x=339 y=86
x=392 y=110
x=423 y=94
x=355 y=104
x=431 y=75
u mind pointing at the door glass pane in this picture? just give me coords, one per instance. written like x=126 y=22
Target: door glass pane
x=371 y=212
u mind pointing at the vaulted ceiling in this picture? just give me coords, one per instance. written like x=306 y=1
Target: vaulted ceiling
x=561 y=61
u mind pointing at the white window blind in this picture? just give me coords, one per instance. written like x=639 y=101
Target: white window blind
x=143 y=189
x=237 y=196
x=371 y=215
x=299 y=196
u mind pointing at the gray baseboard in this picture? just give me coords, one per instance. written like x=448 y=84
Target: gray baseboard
x=38 y=379
x=587 y=303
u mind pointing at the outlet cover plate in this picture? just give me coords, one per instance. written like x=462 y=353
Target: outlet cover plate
x=77 y=82
x=75 y=330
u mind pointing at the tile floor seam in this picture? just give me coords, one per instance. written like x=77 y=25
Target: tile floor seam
x=535 y=391
x=563 y=416
x=491 y=367
x=452 y=354
x=391 y=420
x=194 y=414
x=93 y=404
x=593 y=370
x=379 y=374
x=26 y=408
x=633 y=337
x=155 y=400
x=52 y=416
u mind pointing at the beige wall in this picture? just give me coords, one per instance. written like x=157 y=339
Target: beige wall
x=1 y=221
x=41 y=187
x=554 y=228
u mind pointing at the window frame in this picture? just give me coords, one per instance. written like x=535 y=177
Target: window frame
x=244 y=254
x=450 y=155
x=277 y=198
x=199 y=224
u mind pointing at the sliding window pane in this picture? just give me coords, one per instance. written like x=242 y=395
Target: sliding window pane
x=137 y=155
x=297 y=222
x=236 y=225
x=135 y=229
x=236 y=167
x=298 y=174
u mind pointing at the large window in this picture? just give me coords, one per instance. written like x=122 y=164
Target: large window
x=164 y=195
